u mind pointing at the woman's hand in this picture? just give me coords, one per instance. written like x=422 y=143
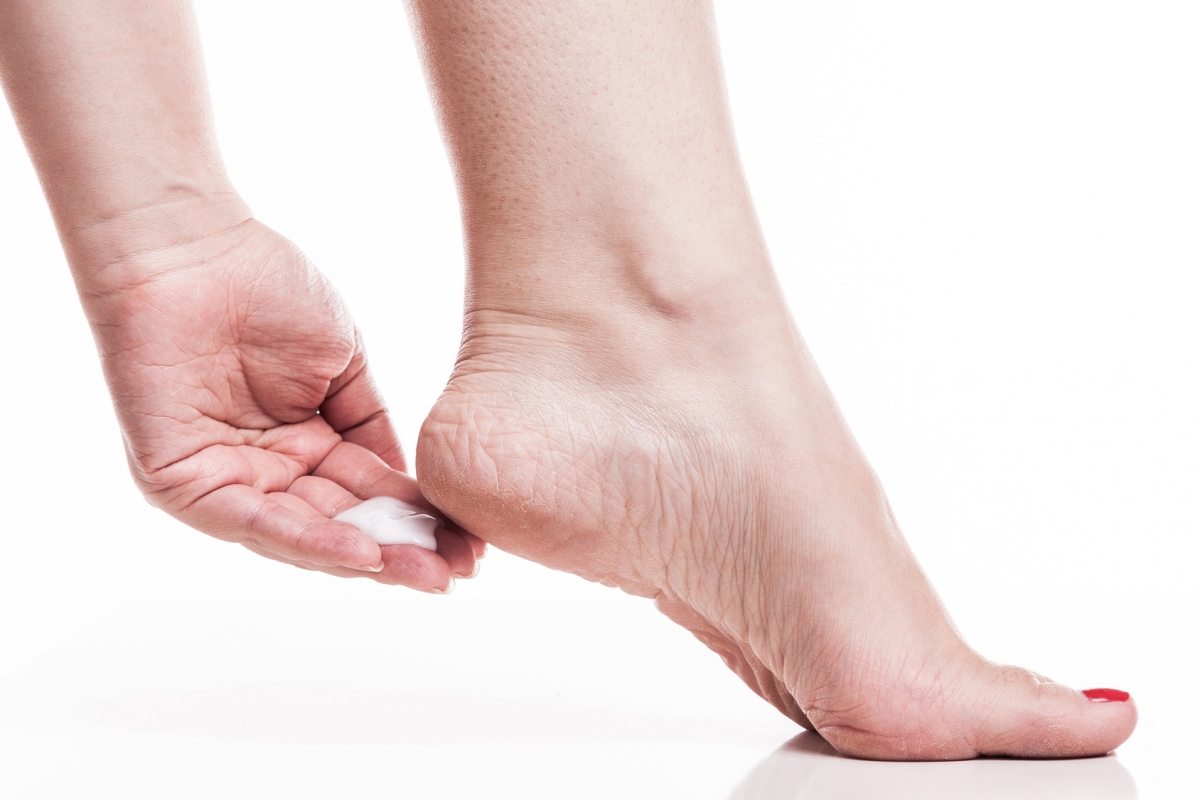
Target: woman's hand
x=239 y=379
x=248 y=412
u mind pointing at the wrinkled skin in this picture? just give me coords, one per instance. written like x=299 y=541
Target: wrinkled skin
x=702 y=462
x=247 y=408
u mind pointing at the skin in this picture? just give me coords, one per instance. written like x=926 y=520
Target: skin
x=238 y=377
x=633 y=403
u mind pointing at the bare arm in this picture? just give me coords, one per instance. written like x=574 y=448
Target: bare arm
x=237 y=375
x=110 y=97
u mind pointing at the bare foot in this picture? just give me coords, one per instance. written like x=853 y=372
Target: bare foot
x=633 y=404
x=698 y=459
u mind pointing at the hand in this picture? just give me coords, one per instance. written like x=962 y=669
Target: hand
x=241 y=387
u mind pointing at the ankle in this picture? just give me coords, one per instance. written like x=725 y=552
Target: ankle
x=613 y=279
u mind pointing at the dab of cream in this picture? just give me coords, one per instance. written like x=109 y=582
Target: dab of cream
x=390 y=521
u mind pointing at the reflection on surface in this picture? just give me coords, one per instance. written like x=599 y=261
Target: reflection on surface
x=343 y=673
x=807 y=768
x=335 y=715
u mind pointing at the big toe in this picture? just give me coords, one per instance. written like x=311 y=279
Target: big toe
x=1022 y=714
x=991 y=710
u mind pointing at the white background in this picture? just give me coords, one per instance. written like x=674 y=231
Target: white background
x=987 y=220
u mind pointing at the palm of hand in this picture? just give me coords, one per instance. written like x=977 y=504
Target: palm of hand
x=241 y=386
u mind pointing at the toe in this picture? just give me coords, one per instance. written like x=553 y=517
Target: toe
x=738 y=657
x=972 y=710
x=1028 y=716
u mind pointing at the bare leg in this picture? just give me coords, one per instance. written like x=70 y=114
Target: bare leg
x=632 y=402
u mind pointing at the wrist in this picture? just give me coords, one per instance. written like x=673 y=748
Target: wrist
x=128 y=248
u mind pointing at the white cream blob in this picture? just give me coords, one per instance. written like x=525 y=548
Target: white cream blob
x=391 y=521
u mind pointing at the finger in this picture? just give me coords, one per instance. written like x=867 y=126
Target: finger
x=457 y=551
x=355 y=409
x=297 y=504
x=330 y=499
x=324 y=495
x=242 y=514
x=365 y=475
x=399 y=571
x=415 y=567
x=478 y=546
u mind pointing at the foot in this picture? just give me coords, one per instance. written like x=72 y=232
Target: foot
x=677 y=441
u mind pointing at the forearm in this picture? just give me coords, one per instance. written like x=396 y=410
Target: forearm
x=110 y=97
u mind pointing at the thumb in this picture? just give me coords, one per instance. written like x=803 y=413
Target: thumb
x=356 y=410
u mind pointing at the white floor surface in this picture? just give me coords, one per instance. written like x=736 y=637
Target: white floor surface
x=368 y=696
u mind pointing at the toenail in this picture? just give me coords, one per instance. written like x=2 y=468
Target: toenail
x=1106 y=695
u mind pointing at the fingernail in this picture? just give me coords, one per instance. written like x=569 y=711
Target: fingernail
x=378 y=568
x=1106 y=695
x=449 y=587
x=475 y=570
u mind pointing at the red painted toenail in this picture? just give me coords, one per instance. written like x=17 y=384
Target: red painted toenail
x=1106 y=695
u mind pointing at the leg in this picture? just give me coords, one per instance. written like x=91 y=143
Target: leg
x=632 y=402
